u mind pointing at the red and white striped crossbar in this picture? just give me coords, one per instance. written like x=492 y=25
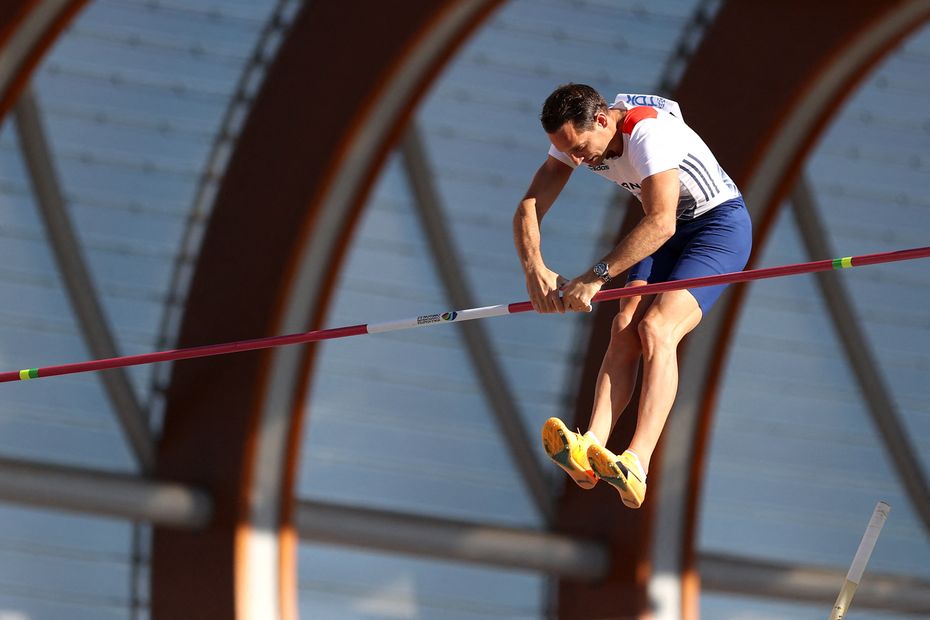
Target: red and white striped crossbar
x=455 y=316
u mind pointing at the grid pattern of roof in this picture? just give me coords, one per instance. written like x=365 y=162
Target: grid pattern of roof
x=792 y=415
x=139 y=102
x=131 y=99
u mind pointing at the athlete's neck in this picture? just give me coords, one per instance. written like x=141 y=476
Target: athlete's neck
x=615 y=146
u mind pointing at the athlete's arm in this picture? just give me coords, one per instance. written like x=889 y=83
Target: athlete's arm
x=542 y=284
x=660 y=204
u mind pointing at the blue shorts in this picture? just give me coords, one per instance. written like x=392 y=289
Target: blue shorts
x=715 y=242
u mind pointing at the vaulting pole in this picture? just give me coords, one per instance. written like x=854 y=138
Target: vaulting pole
x=863 y=553
x=456 y=316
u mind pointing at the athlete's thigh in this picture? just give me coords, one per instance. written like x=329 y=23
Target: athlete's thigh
x=719 y=243
x=677 y=311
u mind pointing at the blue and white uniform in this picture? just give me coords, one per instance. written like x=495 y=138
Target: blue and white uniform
x=713 y=234
x=655 y=140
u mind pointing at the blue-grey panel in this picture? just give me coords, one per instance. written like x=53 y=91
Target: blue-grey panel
x=131 y=98
x=56 y=565
x=797 y=465
x=729 y=607
x=336 y=583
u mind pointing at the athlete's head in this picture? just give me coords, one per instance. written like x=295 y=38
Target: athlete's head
x=579 y=123
x=577 y=104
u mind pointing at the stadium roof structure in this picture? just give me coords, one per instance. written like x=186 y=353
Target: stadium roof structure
x=180 y=173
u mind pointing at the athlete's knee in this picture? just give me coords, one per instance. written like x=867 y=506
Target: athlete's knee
x=629 y=311
x=622 y=320
x=656 y=333
x=623 y=335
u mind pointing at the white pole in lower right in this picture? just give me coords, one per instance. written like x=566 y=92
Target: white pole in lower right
x=854 y=576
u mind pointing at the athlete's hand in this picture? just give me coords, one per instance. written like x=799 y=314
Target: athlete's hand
x=577 y=294
x=543 y=286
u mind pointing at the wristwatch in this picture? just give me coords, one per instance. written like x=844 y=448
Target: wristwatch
x=601 y=271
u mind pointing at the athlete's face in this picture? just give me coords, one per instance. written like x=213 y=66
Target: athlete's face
x=590 y=146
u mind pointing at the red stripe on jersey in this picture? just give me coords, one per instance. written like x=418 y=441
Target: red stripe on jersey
x=634 y=115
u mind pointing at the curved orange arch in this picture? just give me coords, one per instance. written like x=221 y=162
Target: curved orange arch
x=320 y=127
x=28 y=28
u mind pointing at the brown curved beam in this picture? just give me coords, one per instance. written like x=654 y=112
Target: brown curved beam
x=761 y=130
x=335 y=99
x=28 y=28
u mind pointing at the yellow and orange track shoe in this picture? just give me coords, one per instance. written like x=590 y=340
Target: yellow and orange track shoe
x=623 y=473
x=569 y=450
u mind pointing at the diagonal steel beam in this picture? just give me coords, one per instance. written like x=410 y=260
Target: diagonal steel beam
x=477 y=343
x=866 y=368
x=77 y=278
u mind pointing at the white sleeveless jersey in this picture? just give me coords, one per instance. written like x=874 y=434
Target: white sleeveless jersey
x=655 y=140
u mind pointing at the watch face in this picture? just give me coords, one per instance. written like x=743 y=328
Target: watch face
x=600 y=270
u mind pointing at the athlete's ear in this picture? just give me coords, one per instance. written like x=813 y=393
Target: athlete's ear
x=601 y=119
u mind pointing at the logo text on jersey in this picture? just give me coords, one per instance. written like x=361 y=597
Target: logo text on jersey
x=633 y=187
x=649 y=100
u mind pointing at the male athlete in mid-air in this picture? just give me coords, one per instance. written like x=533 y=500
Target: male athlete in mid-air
x=694 y=224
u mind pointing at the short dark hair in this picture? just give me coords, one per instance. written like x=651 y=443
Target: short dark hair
x=577 y=103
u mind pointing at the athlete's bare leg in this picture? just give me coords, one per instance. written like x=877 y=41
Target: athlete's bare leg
x=617 y=375
x=668 y=319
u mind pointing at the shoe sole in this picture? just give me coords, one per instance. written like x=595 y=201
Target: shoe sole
x=557 y=447
x=608 y=471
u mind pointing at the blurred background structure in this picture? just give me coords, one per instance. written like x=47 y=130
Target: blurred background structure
x=185 y=172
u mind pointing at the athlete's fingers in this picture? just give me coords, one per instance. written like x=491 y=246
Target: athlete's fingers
x=543 y=303
x=558 y=301
x=539 y=301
